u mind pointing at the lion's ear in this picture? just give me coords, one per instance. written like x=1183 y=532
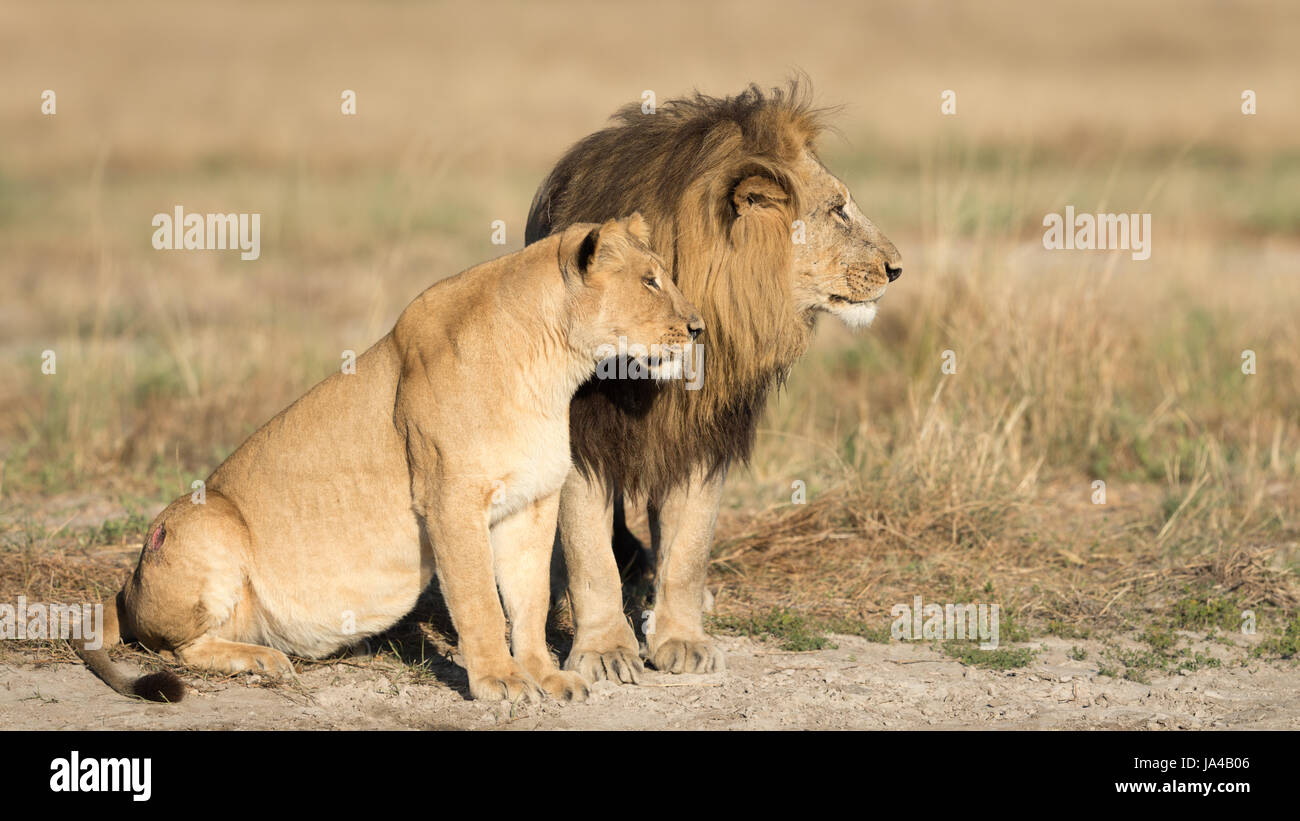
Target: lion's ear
x=754 y=192
x=638 y=227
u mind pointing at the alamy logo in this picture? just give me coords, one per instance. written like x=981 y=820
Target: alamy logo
x=128 y=775
x=659 y=362
x=208 y=232
x=946 y=621
x=1098 y=232
x=23 y=621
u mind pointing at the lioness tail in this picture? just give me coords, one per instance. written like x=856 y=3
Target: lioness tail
x=164 y=686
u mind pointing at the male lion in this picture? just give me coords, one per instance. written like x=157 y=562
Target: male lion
x=445 y=450
x=724 y=184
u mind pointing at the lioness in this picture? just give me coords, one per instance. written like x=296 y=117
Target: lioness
x=445 y=449
x=765 y=240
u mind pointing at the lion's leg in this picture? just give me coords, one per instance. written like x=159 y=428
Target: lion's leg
x=604 y=646
x=633 y=557
x=521 y=552
x=457 y=526
x=681 y=530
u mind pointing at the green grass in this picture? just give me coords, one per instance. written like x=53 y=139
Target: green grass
x=1063 y=630
x=1161 y=641
x=797 y=631
x=1164 y=657
x=1001 y=658
x=857 y=627
x=1203 y=610
x=794 y=632
x=119 y=531
x=1286 y=645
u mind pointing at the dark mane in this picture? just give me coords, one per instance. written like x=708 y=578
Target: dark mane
x=678 y=167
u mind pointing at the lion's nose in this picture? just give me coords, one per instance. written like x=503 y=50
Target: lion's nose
x=893 y=271
x=696 y=327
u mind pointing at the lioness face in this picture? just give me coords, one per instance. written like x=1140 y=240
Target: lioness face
x=846 y=263
x=637 y=310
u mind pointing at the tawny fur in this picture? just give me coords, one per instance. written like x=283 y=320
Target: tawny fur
x=444 y=451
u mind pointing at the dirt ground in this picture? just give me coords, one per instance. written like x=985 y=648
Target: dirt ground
x=858 y=685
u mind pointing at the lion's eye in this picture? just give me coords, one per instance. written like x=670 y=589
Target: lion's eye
x=840 y=214
x=651 y=283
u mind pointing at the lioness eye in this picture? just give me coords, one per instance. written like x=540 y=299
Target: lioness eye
x=839 y=212
x=652 y=283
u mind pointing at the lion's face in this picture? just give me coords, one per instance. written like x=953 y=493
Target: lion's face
x=637 y=311
x=845 y=263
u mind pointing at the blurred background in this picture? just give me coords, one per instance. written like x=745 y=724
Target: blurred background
x=1072 y=367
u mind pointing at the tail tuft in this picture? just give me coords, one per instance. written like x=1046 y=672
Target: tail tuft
x=164 y=686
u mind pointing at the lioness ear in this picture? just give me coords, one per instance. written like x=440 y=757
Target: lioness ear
x=754 y=192
x=579 y=245
x=587 y=251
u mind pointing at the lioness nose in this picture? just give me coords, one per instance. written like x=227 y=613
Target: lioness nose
x=696 y=327
x=893 y=271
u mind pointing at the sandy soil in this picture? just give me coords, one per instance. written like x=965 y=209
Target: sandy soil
x=859 y=685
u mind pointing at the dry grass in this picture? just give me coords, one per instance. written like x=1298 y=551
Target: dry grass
x=1071 y=367
x=979 y=484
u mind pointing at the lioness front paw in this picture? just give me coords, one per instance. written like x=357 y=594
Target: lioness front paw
x=618 y=664
x=508 y=686
x=683 y=656
x=565 y=686
x=274 y=663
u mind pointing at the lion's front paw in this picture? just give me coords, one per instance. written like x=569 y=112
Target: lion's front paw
x=684 y=656
x=617 y=664
x=565 y=686
x=511 y=685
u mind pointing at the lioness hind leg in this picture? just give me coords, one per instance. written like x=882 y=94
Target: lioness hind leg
x=521 y=550
x=222 y=656
x=189 y=581
x=189 y=595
